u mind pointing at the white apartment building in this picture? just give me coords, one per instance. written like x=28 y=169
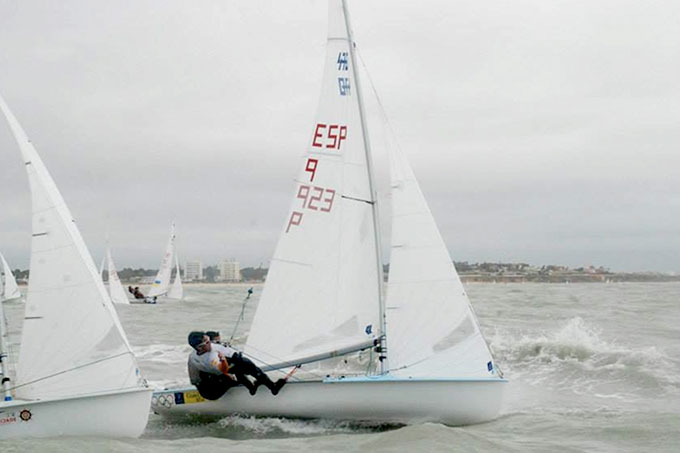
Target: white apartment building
x=230 y=271
x=193 y=270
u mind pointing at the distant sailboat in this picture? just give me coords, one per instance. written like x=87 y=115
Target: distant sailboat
x=323 y=298
x=161 y=284
x=176 y=290
x=77 y=374
x=8 y=285
x=116 y=291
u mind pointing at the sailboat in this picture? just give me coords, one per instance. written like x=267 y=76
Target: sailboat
x=9 y=289
x=116 y=291
x=76 y=374
x=161 y=284
x=176 y=291
x=415 y=354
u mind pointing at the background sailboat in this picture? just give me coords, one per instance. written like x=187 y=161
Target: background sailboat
x=116 y=291
x=8 y=285
x=323 y=297
x=176 y=290
x=161 y=284
x=77 y=374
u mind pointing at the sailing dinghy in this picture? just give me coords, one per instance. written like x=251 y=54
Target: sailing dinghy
x=423 y=356
x=116 y=291
x=9 y=289
x=161 y=284
x=76 y=374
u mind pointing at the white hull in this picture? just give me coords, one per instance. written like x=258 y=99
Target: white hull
x=452 y=402
x=120 y=414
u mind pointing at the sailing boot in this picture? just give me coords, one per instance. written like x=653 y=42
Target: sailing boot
x=263 y=379
x=278 y=386
x=244 y=381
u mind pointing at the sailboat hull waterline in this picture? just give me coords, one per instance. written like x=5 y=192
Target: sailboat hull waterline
x=379 y=399
x=117 y=414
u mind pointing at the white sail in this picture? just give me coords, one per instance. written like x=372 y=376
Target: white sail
x=431 y=328
x=116 y=290
x=176 y=290
x=72 y=341
x=101 y=267
x=11 y=289
x=162 y=281
x=322 y=286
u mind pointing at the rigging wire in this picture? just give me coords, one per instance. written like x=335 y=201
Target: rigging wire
x=241 y=315
x=85 y=365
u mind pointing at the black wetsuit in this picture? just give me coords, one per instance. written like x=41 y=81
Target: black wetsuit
x=213 y=386
x=241 y=367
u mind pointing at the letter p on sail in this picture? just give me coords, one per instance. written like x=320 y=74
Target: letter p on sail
x=295 y=219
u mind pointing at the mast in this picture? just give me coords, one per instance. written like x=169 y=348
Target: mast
x=4 y=355
x=374 y=198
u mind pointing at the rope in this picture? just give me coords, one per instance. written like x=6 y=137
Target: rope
x=69 y=370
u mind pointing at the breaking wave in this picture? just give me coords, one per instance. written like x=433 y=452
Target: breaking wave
x=578 y=353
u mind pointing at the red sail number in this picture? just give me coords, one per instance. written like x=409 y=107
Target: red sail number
x=329 y=136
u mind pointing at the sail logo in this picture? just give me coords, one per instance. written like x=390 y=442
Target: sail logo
x=343 y=84
x=342 y=61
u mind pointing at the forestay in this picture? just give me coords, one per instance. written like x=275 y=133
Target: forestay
x=431 y=328
x=162 y=280
x=116 y=290
x=10 y=290
x=72 y=341
x=322 y=287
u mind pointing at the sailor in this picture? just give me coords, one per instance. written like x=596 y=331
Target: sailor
x=240 y=367
x=208 y=368
x=137 y=293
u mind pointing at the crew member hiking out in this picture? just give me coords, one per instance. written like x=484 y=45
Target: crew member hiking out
x=211 y=366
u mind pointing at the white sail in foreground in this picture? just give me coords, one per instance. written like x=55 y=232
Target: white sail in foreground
x=176 y=290
x=322 y=285
x=72 y=345
x=116 y=290
x=162 y=281
x=431 y=328
x=10 y=289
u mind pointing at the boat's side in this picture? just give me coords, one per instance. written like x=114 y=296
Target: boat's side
x=452 y=402
x=120 y=414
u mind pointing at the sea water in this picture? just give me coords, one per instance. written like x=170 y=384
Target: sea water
x=592 y=367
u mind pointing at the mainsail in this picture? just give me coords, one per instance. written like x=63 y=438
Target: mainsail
x=10 y=290
x=322 y=291
x=72 y=341
x=162 y=281
x=116 y=290
x=431 y=328
x=176 y=290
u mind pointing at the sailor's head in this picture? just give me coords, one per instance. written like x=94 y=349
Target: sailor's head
x=199 y=341
x=214 y=336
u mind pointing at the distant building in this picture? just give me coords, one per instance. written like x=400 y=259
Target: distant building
x=193 y=270
x=230 y=271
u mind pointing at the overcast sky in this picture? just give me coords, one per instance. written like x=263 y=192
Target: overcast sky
x=541 y=131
